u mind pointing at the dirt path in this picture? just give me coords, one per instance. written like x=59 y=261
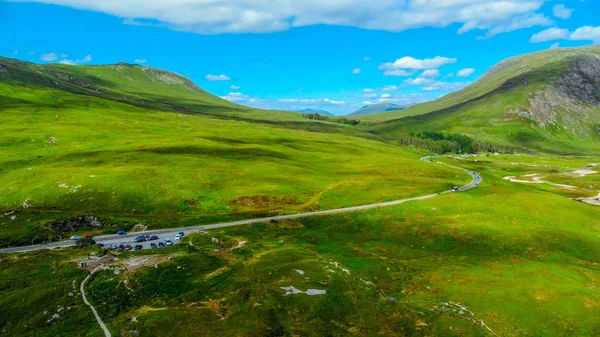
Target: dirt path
x=82 y=289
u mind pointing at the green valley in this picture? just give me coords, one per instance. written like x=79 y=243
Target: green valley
x=132 y=148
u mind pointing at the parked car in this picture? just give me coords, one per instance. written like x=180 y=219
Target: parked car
x=100 y=245
x=153 y=237
x=153 y=245
x=113 y=246
x=122 y=247
x=140 y=239
x=168 y=242
x=121 y=232
x=88 y=236
x=75 y=237
x=138 y=247
x=127 y=247
x=181 y=233
x=161 y=244
x=178 y=237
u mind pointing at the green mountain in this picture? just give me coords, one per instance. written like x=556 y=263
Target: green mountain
x=131 y=84
x=547 y=101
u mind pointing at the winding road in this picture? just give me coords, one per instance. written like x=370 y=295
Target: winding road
x=171 y=232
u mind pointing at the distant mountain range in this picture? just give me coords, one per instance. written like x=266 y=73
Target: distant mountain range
x=377 y=108
x=313 y=111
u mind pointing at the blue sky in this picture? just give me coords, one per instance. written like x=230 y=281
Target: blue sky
x=334 y=55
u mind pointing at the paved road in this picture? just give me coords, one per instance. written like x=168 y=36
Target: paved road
x=171 y=232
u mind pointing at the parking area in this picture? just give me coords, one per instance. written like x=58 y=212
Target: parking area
x=145 y=241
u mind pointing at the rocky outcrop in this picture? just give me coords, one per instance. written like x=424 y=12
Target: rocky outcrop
x=582 y=81
x=77 y=223
x=570 y=102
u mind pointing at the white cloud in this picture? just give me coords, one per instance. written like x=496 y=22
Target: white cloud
x=586 y=33
x=49 y=57
x=430 y=73
x=367 y=102
x=367 y=90
x=465 y=72
x=221 y=77
x=555 y=45
x=31 y=53
x=69 y=62
x=311 y=101
x=327 y=100
x=408 y=62
x=234 y=16
x=366 y=58
x=86 y=59
x=549 y=35
x=562 y=12
x=417 y=81
x=369 y=95
x=433 y=85
x=236 y=97
x=356 y=71
x=520 y=22
x=397 y=72
x=140 y=61
x=385 y=96
x=235 y=87
x=390 y=88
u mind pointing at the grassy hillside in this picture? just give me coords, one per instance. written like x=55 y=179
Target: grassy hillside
x=547 y=101
x=125 y=162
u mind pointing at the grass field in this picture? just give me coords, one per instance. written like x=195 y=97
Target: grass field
x=126 y=163
x=520 y=258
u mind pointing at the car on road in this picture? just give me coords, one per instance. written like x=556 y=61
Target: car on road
x=140 y=239
x=75 y=237
x=178 y=237
x=168 y=242
x=455 y=189
x=161 y=244
x=121 y=233
x=153 y=245
x=88 y=236
x=138 y=247
x=153 y=237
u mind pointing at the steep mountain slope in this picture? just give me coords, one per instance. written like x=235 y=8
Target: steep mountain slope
x=547 y=101
x=377 y=109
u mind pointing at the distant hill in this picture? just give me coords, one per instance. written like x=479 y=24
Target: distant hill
x=132 y=84
x=377 y=108
x=547 y=101
x=312 y=111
